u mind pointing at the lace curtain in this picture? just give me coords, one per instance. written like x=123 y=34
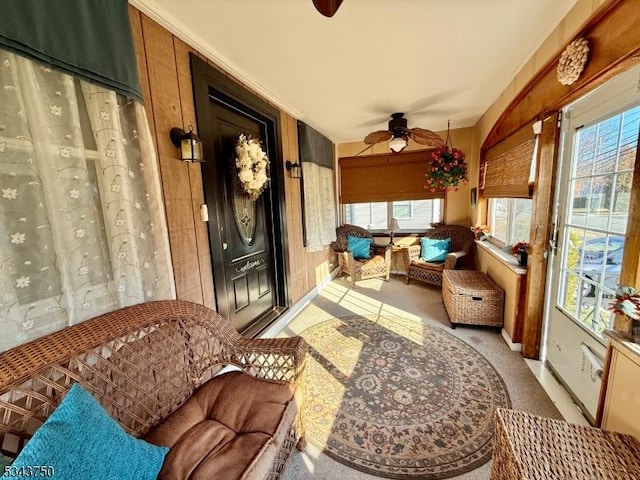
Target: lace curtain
x=319 y=206
x=83 y=229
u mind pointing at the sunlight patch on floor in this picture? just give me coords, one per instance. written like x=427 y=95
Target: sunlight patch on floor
x=362 y=304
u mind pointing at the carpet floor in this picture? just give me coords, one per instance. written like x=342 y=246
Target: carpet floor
x=376 y=299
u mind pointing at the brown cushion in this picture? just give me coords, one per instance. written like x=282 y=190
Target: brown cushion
x=434 y=267
x=231 y=428
x=375 y=260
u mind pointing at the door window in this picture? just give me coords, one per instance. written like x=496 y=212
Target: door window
x=596 y=218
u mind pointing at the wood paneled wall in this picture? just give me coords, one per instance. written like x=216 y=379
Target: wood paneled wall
x=165 y=78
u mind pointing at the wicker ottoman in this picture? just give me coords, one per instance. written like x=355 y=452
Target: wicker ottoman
x=529 y=447
x=472 y=298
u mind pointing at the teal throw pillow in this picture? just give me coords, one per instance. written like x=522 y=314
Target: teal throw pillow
x=434 y=250
x=80 y=440
x=4 y=462
x=360 y=247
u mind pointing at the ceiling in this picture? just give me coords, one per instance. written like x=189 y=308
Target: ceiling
x=435 y=60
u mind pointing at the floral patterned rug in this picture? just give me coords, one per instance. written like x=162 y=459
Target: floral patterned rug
x=398 y=399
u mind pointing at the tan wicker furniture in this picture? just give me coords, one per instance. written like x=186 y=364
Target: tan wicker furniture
x=529 y=447
x=472 y=298
x=144 y=362
x=429 y=272
x=378 y=266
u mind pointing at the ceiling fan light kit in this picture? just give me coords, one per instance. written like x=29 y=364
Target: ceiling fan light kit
x=399 y=135
x=397 y=144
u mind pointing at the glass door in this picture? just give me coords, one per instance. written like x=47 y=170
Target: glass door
x=600 y=139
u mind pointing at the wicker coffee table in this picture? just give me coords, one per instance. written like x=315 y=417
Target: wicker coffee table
x=472 y=298
x=529 y=447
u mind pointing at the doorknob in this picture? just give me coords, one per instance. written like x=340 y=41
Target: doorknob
x=224 y=245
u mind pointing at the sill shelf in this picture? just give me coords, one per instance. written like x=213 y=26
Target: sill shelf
x=505 y=258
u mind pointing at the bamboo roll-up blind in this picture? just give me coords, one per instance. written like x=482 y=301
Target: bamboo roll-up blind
x=385 y=177
x=506 y=167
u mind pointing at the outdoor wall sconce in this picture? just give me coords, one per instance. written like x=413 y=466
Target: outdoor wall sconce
x=189 y=144
x=293 y=169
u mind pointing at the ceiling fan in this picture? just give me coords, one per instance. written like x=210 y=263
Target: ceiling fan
x=399 y=134
x=327 y=7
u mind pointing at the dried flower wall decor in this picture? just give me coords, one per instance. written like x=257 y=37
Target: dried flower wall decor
x=572 y=61
x=252 y=163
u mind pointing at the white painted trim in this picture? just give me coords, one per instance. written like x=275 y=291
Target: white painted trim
x=516 y=347
x=180 y=30
x=284 y=320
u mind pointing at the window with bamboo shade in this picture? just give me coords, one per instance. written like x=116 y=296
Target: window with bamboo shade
x=385 y=177
x=506 y=169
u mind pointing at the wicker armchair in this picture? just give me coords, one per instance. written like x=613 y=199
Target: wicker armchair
x=461 y=245
x=141 y=363
x=379 y=265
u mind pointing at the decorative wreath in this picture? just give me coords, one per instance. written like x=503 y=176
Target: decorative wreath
x=572 y=61
x=252 y=163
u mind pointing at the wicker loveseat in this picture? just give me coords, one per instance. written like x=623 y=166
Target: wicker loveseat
x=152 y=367
x=379 y=265
x=429 y=272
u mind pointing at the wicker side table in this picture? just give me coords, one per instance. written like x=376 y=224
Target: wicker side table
x=529 y=447
x=472 y=298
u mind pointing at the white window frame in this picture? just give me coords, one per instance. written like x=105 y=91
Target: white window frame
x=436 y=213
x=511 y=212
x=391 y=212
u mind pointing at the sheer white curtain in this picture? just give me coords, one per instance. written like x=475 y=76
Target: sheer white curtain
x=83 y=230
x=319 y=206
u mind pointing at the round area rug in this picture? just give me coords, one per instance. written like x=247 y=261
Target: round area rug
x=398 y=399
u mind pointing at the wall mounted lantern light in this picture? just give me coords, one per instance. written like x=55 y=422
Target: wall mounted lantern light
x=189 y=144
x=293 y=169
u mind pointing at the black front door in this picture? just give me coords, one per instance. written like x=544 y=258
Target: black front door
x=244 y=234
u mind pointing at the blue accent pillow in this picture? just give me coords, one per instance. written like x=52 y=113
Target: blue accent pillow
x=434 y=250
x=360 y=247
x=80 y=440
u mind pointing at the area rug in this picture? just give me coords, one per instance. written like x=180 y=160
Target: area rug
x=398 y=399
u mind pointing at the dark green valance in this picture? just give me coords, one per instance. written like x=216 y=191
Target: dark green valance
x=87 y=38
x=315 y=147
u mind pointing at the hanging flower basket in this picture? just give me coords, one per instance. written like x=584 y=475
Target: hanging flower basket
x=252 y=163
x=446 y=170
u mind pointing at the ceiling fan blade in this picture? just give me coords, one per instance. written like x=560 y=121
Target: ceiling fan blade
x=327 y=7
x=377 y=137
x=426 y=137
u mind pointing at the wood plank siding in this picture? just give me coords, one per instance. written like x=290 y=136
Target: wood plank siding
x=165 y=78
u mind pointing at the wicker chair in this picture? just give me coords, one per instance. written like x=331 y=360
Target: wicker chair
x=429 y=272
x=379 y=265
x=141 y=363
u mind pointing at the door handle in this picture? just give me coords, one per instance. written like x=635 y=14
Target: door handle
x=224 y=245
x=553 y=239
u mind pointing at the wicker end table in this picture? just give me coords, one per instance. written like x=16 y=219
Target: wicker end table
x=472 y=298
x=529 y=447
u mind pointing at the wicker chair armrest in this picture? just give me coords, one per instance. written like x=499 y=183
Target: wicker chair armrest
x=412 y=252
x=271 y=358
x=387 y=256
x=348 y=260
x=380 y=249
x=336 y=247
x=452 y=259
